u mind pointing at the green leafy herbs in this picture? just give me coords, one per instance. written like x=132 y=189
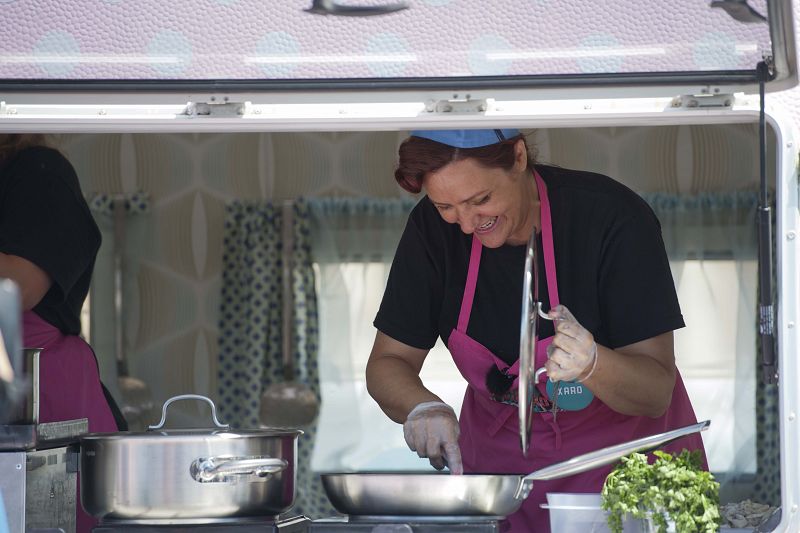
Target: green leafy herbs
x=674 y=488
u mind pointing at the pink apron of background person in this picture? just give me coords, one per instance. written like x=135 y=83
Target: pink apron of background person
x=69 y=385
x=490 y=441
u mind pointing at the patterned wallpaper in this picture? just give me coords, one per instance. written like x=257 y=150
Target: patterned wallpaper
x=173 y=251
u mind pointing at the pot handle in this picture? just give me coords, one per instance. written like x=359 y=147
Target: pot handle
x=189 y=397
x=220 y=469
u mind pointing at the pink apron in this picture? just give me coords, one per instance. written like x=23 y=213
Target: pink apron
x=490 y=430
x=69 y=385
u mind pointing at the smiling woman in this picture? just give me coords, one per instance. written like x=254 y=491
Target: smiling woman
x=51 y=258
x=485 y=190
x=457 y=275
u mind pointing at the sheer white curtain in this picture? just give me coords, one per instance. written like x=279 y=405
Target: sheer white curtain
x=353 y=242
x=711 y=244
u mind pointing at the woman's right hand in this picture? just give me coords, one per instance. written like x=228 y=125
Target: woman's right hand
x=431 y=430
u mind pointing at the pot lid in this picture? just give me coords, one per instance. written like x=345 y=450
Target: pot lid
x=217 y=429
x=215 y=433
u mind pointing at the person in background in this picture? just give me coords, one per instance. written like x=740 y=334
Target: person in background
x=458 y=274
x=48 y=245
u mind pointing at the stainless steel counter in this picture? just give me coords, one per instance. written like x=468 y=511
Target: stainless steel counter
x=326 y=525
x=39 y=475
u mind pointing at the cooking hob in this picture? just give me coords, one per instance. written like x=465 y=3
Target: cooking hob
x=297 y=524
x=301 y=524
x=406 y=524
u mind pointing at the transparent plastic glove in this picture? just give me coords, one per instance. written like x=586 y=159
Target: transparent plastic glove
x=573 y=351
x=431 y=430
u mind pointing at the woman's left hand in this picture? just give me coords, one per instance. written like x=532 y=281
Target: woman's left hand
x=572 y=353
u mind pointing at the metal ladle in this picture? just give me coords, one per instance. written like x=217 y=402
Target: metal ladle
x=136 y=402
x=288 y=403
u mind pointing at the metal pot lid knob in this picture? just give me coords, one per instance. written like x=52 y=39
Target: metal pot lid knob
x=189 y=397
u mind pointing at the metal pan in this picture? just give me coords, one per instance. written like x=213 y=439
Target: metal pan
x=439 y=495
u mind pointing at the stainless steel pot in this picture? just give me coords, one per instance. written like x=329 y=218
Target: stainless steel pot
x=435 y=495
x=188 y=474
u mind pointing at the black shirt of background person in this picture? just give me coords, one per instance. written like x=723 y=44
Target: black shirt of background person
x=44 y=218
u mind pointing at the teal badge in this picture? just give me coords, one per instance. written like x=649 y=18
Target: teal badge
x=573 y=396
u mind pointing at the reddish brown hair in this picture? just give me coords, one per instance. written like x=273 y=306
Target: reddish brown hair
x=418 y=157
x=10 y=144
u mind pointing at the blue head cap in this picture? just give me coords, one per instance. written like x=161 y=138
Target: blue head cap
x=466 y=138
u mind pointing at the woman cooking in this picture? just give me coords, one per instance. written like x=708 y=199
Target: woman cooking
x=458 y=273
x=48 y=245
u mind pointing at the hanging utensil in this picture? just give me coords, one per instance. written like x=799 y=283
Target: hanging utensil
x=136 y=400
x=531 y=312
x=289 y=403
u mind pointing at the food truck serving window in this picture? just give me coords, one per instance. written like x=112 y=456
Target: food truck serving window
x=386 y=41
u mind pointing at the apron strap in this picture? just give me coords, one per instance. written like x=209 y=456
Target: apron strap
x=547 y=241
x=469 y=286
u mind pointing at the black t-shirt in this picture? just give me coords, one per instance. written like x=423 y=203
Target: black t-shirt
x=44 y=218
x=611 y=265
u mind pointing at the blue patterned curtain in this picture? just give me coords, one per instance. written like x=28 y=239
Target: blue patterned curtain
x=250 y=312
x=251 y=327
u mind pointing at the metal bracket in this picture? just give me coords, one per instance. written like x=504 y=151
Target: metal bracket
x=216 y=110
x=72 y=458
x=705 y=101
x=32 y=462
x=329 y=7
x=739 y=10
x=457 y=105
x=769 y=65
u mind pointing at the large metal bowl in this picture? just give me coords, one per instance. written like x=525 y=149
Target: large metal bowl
x=406 y=494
